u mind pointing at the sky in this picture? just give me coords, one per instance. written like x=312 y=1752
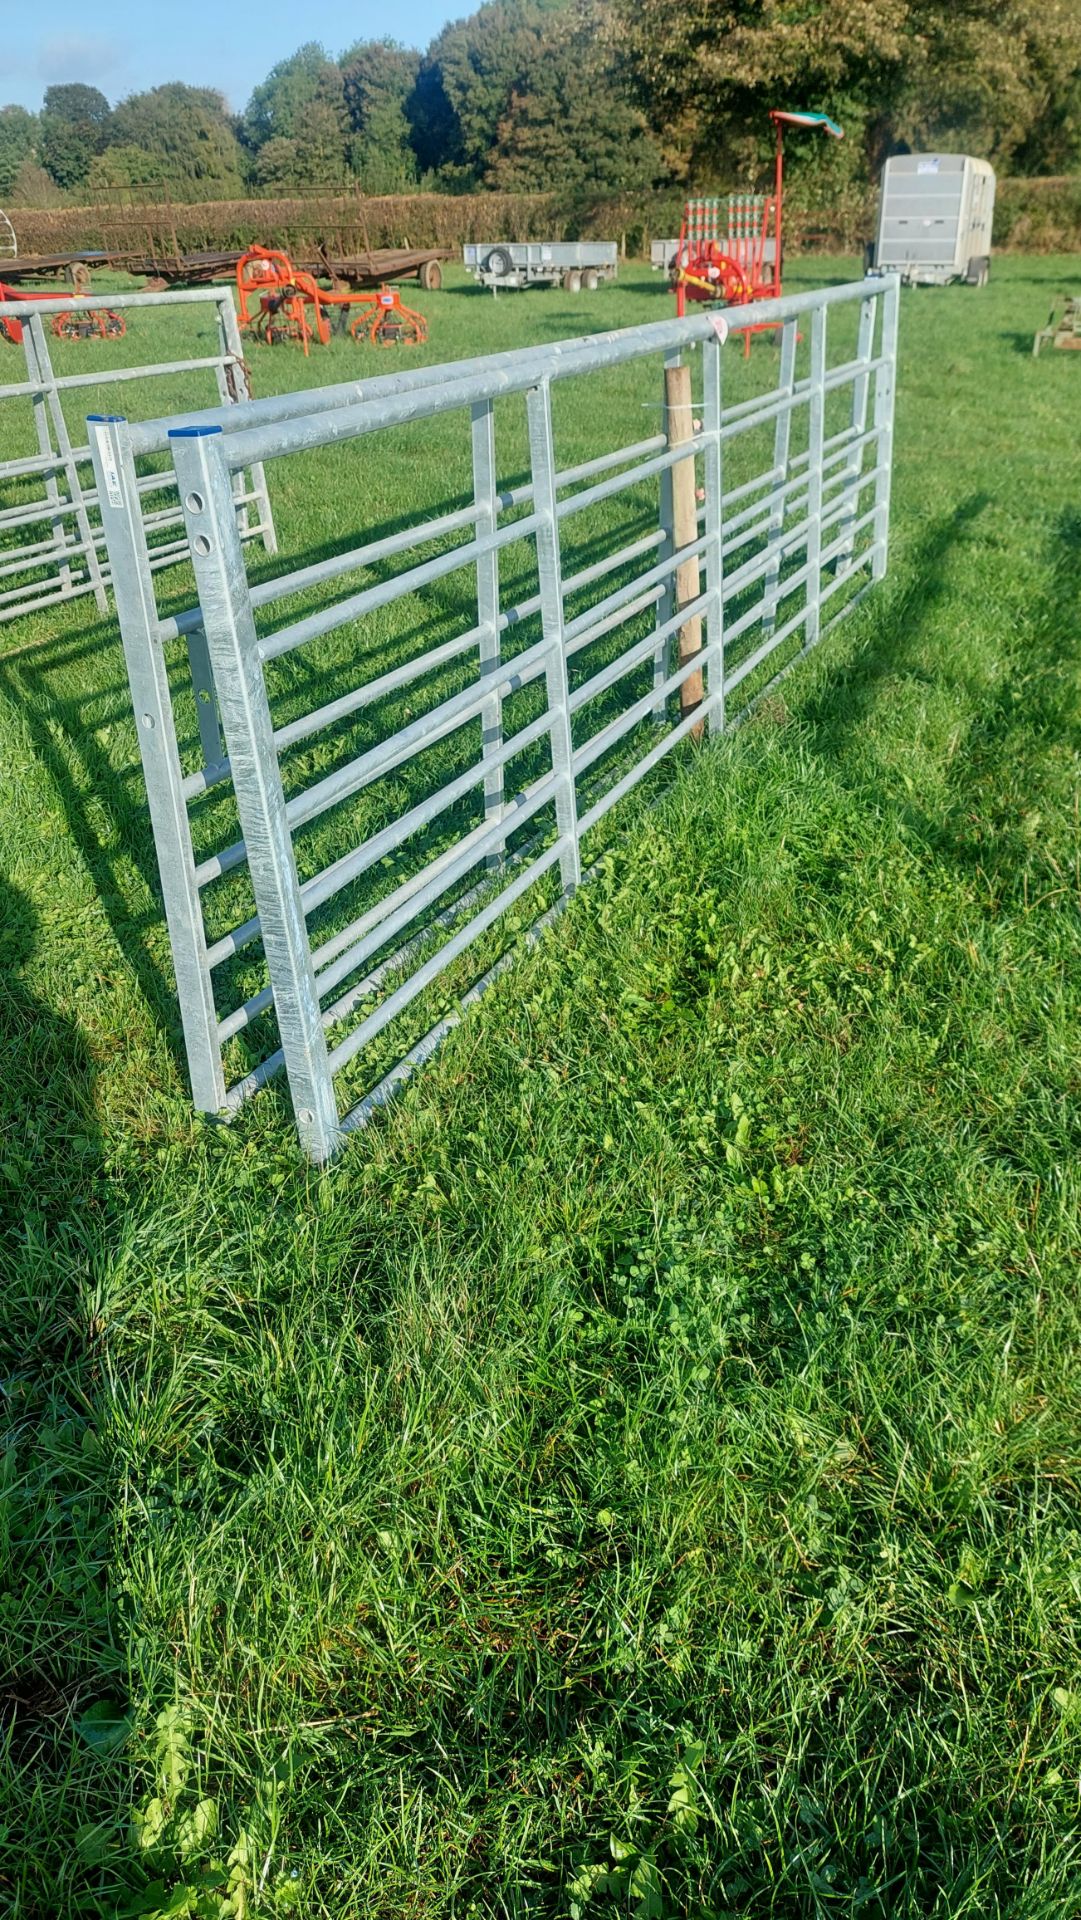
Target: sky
x=123 y=46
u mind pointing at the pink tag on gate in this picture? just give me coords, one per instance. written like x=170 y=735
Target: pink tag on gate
x=720 y=326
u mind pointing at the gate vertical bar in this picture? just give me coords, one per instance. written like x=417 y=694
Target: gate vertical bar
x=235 y=385
x=71 y=465
x=860 y=389
x=482 y=427
x=148 y=678
x=885 y=389
x=542 y=462
x=782 y=440
x=43 y=429
x=666 y=605
x=816 y=434
x=712 y=407
x=206 y=496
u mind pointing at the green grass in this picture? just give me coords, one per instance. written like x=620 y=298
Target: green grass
x=642 y=1476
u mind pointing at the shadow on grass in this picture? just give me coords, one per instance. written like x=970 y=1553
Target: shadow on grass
x=58 y=1651
x=998 y=767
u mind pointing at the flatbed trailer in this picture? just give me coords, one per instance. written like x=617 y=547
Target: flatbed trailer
x=367 y=269
x=43 y=266
x=578 y=265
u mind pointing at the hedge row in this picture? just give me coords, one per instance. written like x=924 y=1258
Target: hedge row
x=1030 y=215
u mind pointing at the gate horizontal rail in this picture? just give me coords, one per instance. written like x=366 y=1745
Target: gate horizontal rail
x=69 y=561
x=382 y=828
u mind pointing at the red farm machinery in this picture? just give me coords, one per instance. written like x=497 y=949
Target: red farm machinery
x=731 y=250
x=86 y=323
x=280 y=302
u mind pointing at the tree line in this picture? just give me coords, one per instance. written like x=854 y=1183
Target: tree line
x=588 y=98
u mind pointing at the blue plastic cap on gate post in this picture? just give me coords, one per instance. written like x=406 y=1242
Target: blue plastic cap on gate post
x=105 y=419
x=191 y=433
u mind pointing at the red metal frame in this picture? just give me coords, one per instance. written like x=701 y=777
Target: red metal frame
x=285 y=295
x=75 y=323
x=731 y=266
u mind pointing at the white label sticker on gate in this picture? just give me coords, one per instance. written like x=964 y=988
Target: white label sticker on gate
x=927 y=166
x=111 y=474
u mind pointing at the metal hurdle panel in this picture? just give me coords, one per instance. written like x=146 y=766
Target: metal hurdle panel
x=388 y=812
x=51 y=539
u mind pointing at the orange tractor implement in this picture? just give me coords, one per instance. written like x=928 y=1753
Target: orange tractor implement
x=730 y=252
x=85 y=323
x=280 y=302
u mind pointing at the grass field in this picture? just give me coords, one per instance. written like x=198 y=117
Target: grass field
x=643 y=1475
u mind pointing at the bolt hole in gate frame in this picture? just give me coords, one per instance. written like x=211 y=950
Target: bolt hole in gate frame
x=355 y=817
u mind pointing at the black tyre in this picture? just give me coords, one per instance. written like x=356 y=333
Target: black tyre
x=868 y=256
x=499 y=263
x=979 y=272
x=590 y=280
x=573 y=281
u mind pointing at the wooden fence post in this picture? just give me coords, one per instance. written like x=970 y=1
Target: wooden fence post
x=679 y=427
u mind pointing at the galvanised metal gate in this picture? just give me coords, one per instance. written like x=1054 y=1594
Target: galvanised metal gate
x=50 y=531
x=368 y=782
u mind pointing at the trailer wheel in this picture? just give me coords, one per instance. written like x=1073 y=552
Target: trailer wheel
x=590 y=280
x=868 y=256
x=572 y=281
x=499 y=263
x=431 y=276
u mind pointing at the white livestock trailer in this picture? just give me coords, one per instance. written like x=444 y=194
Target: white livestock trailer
x=934 y=219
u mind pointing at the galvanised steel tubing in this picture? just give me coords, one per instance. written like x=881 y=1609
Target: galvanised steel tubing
x=553 y=627
x=486 y=511
x=216 y=772
x=315 y=625
x=783 y=465
x=268 y=592
x=744 y=576
x=89 y=302
x=772 y=409
x=422 y=1050
x=712 y=416
x=431 y=727
x=218 y=559
x=277 y=409
x=349 y=866
x=772 y=641
x=885 y=381
x=390 y=916
x=650 y=760
x=569 y=476
x=653 y=576
x=605 y=489
x=619 y=617
x=155 y=725
x=433 y=880
x=408 y=991
x=513 y=616
x=797 y=488
x=385 y=756
x=636 y=655
x=586 y=356
x=40 y=365
x=66 y=382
